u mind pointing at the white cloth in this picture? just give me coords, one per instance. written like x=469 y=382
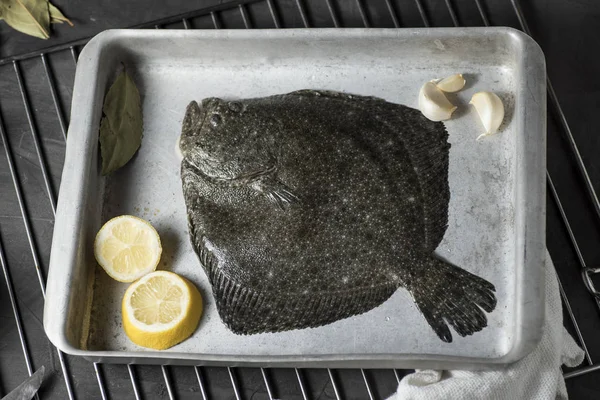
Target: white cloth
x=535 y=377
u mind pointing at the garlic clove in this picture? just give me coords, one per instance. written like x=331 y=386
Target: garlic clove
x=491 y=111
x=433 y=103
x=452 y=84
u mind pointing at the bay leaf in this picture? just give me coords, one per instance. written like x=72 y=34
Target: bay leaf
x=121 y=128
x=31 y=17
x=57 y=17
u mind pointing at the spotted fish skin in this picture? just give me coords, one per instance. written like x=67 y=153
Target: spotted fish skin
x=314 y=206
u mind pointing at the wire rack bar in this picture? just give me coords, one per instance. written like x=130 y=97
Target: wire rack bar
x=25 y=215
x=589 y=186
x=305 y=22
x=66 y=374
x=422 y=13
x=165 y=373
x=274 y=14
x=201 y=382
x=32 y=246
x=163 y=21
x=23 y=208
x=50 y=78
x=581 y=371
x=100 y=379
x=48 y=50
x=336 y=391
x=236 y=391
x=134 y=385
x=245 y=16
x=482 y=13
x=565 y=220
x=520 y=16
x=215 y=20
x=301 y=383
x=567 y=304
x=367 y=385
x=574 y=149
x=74 y=54
x=363 y=14
x=392 y=13
x=575 y=245
x=397 y=376
x=452 y=13
x=334 y=19
x=15 y=308
x=185 y=17
x=302 y=11
x=267 y=384
x=34 y=135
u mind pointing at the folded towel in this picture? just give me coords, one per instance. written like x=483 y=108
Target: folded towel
x=535 y=377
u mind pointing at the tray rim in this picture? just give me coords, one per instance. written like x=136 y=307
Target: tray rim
x=76 y=171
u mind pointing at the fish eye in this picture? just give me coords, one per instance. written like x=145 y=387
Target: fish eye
x=235 y=106
x=215 y=120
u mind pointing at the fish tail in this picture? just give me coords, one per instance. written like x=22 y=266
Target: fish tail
x=449 y=295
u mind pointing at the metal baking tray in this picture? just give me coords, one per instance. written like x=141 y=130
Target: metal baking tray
x=497 y=207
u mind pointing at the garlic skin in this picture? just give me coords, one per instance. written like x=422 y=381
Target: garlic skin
x=433 y=103
x=452 y=84
x=491 y=111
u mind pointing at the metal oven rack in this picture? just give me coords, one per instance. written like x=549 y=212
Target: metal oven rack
x=281 y=14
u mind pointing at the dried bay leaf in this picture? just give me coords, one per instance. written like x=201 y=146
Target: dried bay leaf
x=57 y=17
x=31 y=17
x=121 y=128
x=109 y=144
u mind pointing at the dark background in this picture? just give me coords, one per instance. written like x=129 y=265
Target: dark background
x=567 y=30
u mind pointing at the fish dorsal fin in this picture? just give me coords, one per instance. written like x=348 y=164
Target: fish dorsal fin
x=427 y=145
x=335 y=95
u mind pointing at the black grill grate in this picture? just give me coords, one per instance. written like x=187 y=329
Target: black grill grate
x=280 y=12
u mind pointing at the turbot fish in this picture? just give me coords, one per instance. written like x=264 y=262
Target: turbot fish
x=313 y=206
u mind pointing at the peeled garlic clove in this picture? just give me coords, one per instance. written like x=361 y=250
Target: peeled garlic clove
x=433 y=103
x=490 y=110
x=452 y=83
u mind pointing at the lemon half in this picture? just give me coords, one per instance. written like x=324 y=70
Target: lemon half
x=160 y=310
x=127 y=248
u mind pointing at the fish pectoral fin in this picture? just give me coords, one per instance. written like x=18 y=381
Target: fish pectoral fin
x=449 y=295
x=276 y=192
x=282 y=197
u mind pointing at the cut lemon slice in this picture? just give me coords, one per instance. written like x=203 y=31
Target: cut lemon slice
x=160 y=310
x=127 y=248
